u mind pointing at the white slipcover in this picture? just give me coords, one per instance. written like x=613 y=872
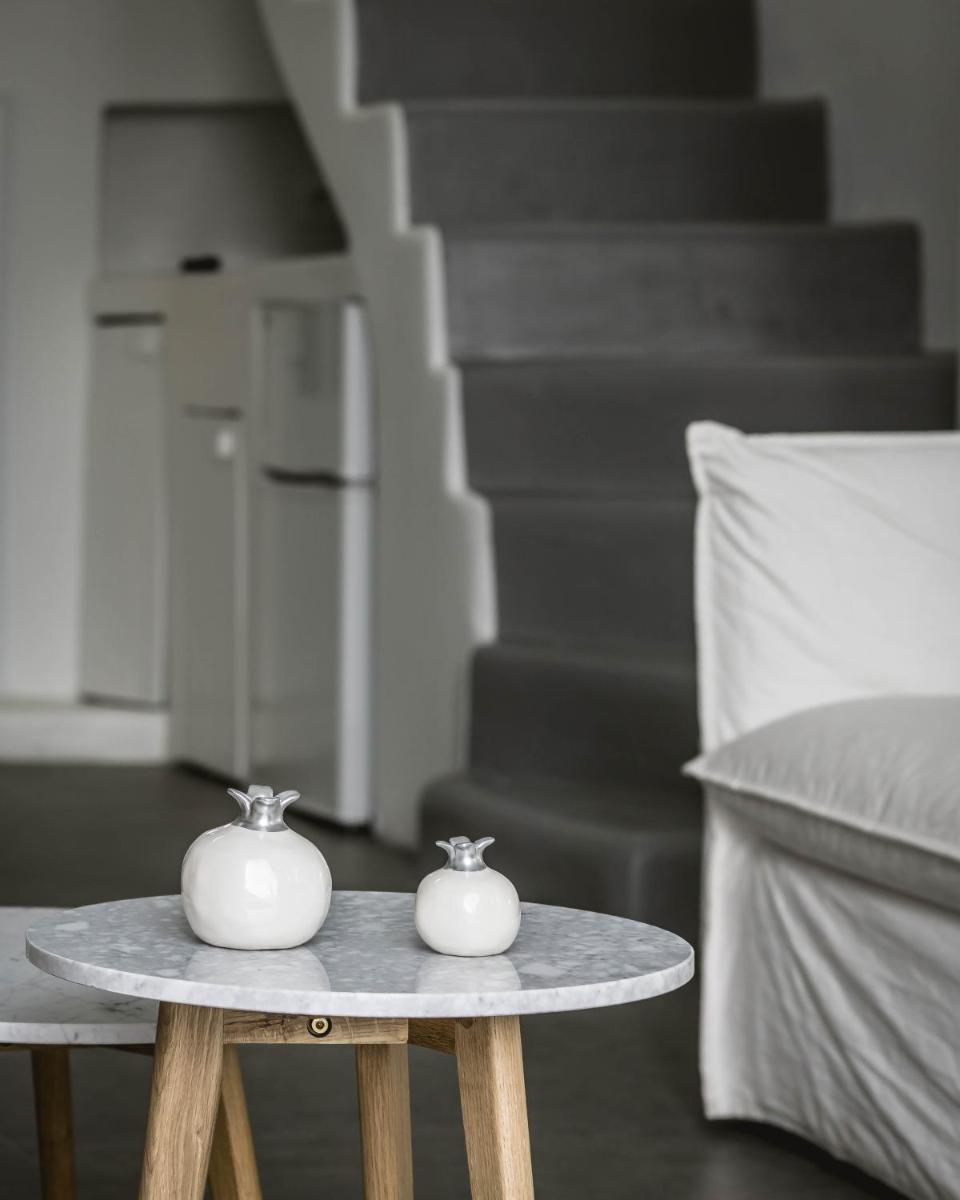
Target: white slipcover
x=830 y=1008
x=828 y=569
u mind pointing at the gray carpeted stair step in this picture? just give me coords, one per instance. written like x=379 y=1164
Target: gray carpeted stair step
x=616 y=160
x=607 y=425
x=760 y=289
x=613 y=718
x=591 y=570
x=630 y=852
x=422 y=48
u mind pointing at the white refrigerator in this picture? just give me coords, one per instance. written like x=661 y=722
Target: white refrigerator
x=272 y=528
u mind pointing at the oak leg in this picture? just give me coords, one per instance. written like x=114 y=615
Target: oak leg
x=187 y=1065
x=233 y=1164
x=494 y=1103
x=383 y=1087
x=51 y=1095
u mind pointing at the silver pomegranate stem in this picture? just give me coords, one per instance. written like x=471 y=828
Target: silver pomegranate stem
x=464 y=854
x=261 y=809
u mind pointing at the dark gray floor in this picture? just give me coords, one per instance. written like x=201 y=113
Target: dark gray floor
x=613 y=1094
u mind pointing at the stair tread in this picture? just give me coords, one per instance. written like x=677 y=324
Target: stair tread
x=620 y=658
x=558 y=231
x=600 y=357
x=550 y=503
x=642 y=809
x=579 y=651
x=510 y=105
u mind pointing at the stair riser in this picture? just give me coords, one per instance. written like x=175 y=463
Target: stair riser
x=617 y=163
x=596 y=572
x=742 y=292
x=612 y=723
x=651 y=876
x=424 y=48
x=606 y=426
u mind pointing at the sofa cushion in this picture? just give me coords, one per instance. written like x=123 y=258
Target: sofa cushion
x=869 y=786
x=827 y=568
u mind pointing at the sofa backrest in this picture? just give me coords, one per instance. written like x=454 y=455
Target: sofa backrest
x=827 y=568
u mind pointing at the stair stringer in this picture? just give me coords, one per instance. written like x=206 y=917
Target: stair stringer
x=435 y=596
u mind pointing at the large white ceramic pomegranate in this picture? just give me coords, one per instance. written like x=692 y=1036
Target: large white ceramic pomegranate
x=255 y=884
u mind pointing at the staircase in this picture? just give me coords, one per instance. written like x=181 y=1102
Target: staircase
x=629 y=241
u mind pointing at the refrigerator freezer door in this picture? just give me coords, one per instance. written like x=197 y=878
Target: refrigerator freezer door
x=124 y=636
x=310 y=625
x=317 y=401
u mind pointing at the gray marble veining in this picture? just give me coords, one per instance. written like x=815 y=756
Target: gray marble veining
x=366 y=961
x=37 y=1009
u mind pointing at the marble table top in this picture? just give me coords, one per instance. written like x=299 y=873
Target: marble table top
x=367 y=960
x=37 y=1009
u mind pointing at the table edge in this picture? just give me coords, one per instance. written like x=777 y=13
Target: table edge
x=531 y=1002
x=79 y=1033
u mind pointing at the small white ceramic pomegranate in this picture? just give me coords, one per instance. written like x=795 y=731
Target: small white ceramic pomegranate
x=466 y=908
x=255 y=884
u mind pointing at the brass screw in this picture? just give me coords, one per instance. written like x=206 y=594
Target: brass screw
x=319 y=1027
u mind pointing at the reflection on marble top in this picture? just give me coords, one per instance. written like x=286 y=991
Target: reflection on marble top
x=36 y=1008
x=366 y=961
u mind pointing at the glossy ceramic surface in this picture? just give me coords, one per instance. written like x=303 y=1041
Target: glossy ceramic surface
x=247 y=890
x=255 y=884
x=471 y=913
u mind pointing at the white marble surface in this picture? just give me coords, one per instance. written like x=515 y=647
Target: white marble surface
x=366 y=961
x=38 y=1009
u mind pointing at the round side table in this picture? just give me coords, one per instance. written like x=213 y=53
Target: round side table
x=366 y=980
x=50 y=1019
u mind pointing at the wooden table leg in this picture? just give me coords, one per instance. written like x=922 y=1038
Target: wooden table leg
x=383 y=1087
x=494 y=1103
x=233 y=1163
x=51 y=1094
x=184 y=1094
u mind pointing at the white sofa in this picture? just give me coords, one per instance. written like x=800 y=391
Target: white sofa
x=828 y=615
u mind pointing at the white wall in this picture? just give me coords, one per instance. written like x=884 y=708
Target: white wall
x=61 y=61
x=890 y=70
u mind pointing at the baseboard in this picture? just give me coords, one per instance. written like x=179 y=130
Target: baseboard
x=52 y=731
